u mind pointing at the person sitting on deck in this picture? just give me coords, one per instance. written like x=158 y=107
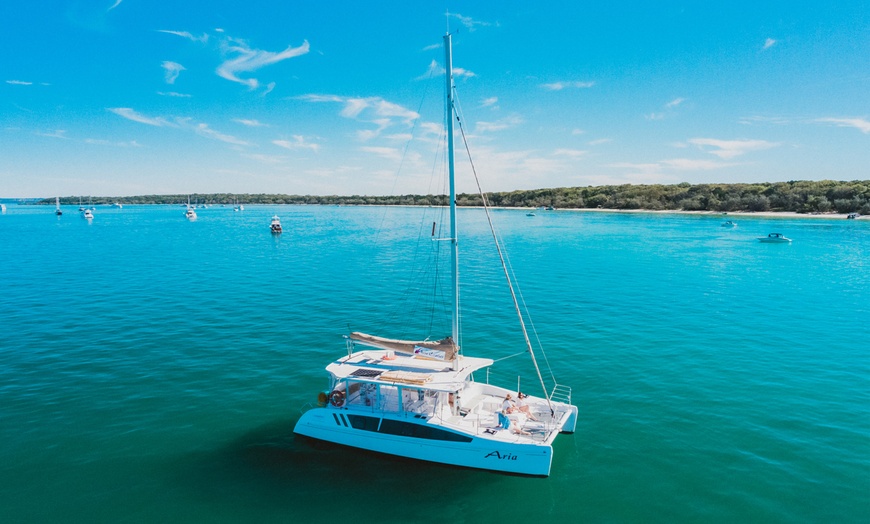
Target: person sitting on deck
x=522 y=407
x=508 y=406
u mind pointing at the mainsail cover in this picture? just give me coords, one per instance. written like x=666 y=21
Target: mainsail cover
x=423 y=349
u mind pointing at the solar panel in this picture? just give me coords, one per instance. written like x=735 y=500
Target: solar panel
x=366 y=373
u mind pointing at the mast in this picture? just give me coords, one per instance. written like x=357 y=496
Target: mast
x=454 y=254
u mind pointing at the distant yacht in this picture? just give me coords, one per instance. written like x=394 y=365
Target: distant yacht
x=775 y=238
x=190 y=213
x=119 y=206
x=3 y=208
x=275 y=226
x=57 y=210
x=729 y=223
x=88 y=214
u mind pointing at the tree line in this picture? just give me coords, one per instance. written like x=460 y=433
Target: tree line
x=800 y=196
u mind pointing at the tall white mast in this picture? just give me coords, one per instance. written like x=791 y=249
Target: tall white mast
x=454 y=254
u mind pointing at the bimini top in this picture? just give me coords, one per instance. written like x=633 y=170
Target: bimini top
x=391 y=365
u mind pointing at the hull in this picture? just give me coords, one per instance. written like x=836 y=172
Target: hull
x=385 y=434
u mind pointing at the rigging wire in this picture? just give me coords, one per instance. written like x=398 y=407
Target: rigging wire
x=498 y=246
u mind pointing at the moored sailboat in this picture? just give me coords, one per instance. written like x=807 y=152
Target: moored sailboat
x=419 y=398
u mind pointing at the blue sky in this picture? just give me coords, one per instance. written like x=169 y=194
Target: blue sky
x=128 y=97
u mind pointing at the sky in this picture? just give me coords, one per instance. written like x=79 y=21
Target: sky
x=132 y=97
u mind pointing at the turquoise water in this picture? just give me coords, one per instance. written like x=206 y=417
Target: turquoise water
x=152 y=369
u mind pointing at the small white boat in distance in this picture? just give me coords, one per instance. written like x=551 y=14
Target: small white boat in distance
x=775 y=238
x=275 y=226
x=729 y=223
x=190 y=213
x=57 y=210
x=88 y=214
x=853 y=216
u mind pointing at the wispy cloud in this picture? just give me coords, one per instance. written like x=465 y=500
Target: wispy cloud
x=498 y=125
x=185 y=123
x=674 y=164
x=731 y=148
x=490 y=102
x=469 y=22
x=244 y=59
x=572 y=153
x=19 y=83
x=101 y=142
x=205 y=131
x=600 y=141
x=184 y=34
x=172 y=70
x=249 y=122
x=770 y=42
x=116 y=4
x=174 y=94
x=390 y=153
x=858 y=123
x=298 y=142
x=559 y=86
x=373 y=110
x=435 y=70
x=59 y=133
x=674 y=103
x=130 y=114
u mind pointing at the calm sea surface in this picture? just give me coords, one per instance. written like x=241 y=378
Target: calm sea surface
x=152 y=368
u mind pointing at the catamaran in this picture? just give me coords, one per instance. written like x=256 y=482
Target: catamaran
x=420 y=398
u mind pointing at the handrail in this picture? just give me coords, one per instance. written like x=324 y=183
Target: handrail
x=561 y=393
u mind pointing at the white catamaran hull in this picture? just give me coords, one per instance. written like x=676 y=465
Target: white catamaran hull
x=494 y=454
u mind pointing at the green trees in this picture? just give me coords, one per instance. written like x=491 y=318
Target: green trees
x=800 y=196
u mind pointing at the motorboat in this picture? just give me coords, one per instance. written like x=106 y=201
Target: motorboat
x=191 y=212
x=88 y=214
x=852 y=216
x=425 y=399
x=275 y=226
x=729 y=223
x=775 y=238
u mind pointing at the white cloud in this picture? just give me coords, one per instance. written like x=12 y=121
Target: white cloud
x=184 y=34
x=19 y=83
x=390 y=153
x=858 y=123
x=247 y=60
x=130 y=114
x=490 y=102
x=600 y=141
x=435 y=70
x=205 y=131
x=572 y=153
x=59 y=133
x=655 y=116
x=688 y=164
x=172 y=69
x=374 y=110
x=498 y=125
x=101 y=142
x=675 y=102
x=770 y=42
x=249 y=122
x=116 y=4
x=468 y=22
x=558 y=86
x=174 y=94
x=732 y=148
x=298 y=142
